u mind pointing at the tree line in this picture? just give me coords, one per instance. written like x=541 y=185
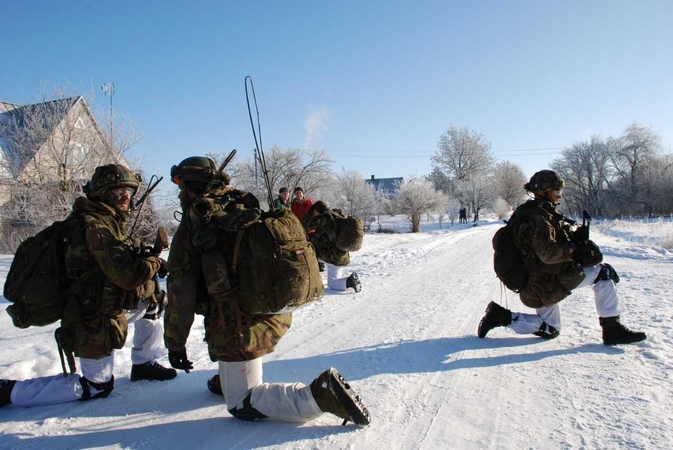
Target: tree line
x=629 y=175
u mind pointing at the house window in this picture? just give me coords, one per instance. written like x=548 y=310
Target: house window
x=21 y=204
x=76 y=154
x=79 y=124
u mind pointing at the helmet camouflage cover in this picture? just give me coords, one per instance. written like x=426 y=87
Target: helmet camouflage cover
x=196 y=169
x=544 y=180
x=110 y=176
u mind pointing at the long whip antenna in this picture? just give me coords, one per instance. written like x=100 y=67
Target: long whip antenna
x=258 y=145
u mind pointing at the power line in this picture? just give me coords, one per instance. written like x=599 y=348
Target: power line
x=405 y=154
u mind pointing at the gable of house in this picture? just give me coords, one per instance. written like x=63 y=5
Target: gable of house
x=46 y=146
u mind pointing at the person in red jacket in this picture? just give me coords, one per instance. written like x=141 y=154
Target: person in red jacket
x=300 y=204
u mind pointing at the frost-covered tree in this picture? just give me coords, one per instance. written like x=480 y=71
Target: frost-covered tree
x=501 y=207
x=383 y=204
x=462 y=154
x=585 y=168
x=452 y=209
x=286 y=167
x=353 y=196
x=509 y=181
x=50 y=148
x=415 y=198
x=478 y=192
x=633 y=157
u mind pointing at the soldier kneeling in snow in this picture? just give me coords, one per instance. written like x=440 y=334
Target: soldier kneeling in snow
x=555 y=267
x=322 y=226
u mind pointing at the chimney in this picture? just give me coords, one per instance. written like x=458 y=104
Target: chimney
x=373 y=178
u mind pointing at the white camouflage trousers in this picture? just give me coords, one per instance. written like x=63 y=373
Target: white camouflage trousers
x=147 y=346
x=291 y=402
x=605 y=298
x=335 y=277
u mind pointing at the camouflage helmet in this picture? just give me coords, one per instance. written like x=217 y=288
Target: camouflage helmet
x=110 y=176
x=544 y=180
x=196 y=169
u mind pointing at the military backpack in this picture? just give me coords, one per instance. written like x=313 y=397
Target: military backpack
x=509 y=262
x=36 y=282
x=277 y=267
x=350 y=234
x=264 y=262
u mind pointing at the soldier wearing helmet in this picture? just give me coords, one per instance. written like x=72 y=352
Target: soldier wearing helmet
x=203 y=281
x=555 y=268
x=109 y=285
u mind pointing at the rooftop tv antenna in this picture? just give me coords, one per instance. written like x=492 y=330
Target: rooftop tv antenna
x=109 y=90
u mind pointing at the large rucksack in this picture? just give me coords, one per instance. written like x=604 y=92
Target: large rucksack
x=508 y=262
x=276 y=265
x=350 y=234
x=36 y=282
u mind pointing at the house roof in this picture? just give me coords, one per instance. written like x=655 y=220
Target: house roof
x=389 y=184
x=12 y=120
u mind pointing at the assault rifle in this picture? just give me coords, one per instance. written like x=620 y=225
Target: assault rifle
x=581 y=234
x=160 y=244
x=587 y=252
x=60 y=339
x=224 y=164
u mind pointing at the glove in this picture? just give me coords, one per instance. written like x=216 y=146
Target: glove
x=163 y=270
x=178 y=360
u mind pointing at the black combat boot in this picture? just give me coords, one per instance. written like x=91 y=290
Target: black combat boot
x=151 y=370
x=547 y=331
x=6 y=387
x=334 y=395
x=354 y=282
x=615 y=333
x=214 y=385
x=496 y=316
x=91 y=390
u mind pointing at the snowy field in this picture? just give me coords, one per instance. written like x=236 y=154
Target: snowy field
x=407 y=344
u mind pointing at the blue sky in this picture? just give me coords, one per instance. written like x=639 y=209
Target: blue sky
x=379 y=80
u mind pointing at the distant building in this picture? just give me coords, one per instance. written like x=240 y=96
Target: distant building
x=392 y=185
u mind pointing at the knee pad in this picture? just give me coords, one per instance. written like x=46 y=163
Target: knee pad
x=607 y=273
x=247 y=413
x=96 y=390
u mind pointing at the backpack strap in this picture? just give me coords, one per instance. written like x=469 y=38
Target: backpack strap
x=237 y=249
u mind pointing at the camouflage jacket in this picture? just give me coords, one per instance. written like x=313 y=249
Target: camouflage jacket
x=543 y=236
x=322 y=232
x=202 y=281
x=104 y=273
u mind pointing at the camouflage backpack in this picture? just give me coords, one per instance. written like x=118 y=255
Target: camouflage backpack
x=510 y=264
x=36 y=282
x=350 y=234
x=277 y=267
x=274 y=267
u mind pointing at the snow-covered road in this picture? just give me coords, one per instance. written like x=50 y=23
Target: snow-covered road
x=407 y=343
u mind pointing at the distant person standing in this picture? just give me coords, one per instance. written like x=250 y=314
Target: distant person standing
x=283 y=199
x=300 y=204
x=462 y=215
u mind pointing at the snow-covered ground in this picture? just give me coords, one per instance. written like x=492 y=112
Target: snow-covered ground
x=407 y=344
